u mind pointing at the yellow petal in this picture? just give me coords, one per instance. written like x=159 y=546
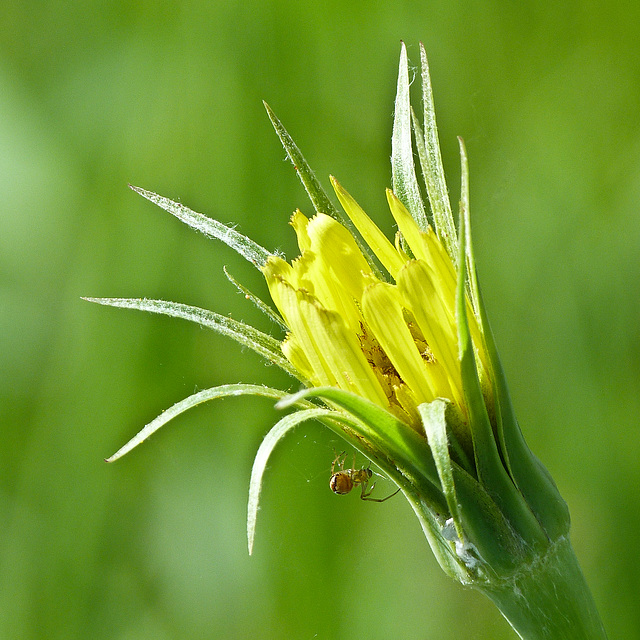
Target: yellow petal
x=446 y=281
x=286 y=299
x=438 y=258
x=382 y=309
x=276 y=270
x=340 y=253
x=416 y=283
x=427 y=246
x=276 y=266
x=407 y=225
x=299 y=222
x=407 y=401
x=340 y=351
x=303 y=270
x=337 y=270
x=296 y=356
x=376 y=240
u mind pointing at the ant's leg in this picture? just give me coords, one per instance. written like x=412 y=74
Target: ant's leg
x=365 y=495
x=339 y=462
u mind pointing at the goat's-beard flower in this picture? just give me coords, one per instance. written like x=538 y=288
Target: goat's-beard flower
x=391 y=343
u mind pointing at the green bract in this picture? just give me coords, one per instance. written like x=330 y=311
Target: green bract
x=392 y=344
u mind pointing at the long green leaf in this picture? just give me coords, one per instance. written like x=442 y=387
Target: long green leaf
x=528 y=473
x=224 y=391
x=267 y=446
x=435 y=426
x=318 y=196
x=418 y=135
x=434 y=173
x=465 y=214
x=262 y=343
x=405 y=183
x=246 y=247
x=491 y=472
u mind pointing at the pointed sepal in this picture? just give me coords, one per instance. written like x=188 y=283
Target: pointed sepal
x=405 y=182
x=211 y=228
x=434 y=170
x=248 y=336
x=491 y=472
x=223 y=391
x=268 y=444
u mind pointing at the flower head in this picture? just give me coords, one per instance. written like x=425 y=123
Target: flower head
x=388 y=336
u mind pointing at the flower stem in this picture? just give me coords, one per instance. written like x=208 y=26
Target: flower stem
x=550 y=600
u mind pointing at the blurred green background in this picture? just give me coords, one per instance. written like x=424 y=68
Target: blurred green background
x=167 y=95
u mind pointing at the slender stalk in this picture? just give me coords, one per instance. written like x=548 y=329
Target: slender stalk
x=550 y=599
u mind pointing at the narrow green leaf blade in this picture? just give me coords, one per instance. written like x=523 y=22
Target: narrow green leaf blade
x=491 y=472
x=263 y=306
x=405 y=183
x=267 y=446
x=465 y=214
x=418 y=135
x=528 y=473
x=317 y=194
x=246 y=247
x=434 y=173
x=248 y=336
x=435 y=426
x=223 y=391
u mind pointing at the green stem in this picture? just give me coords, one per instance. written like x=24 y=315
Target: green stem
x=550 y=600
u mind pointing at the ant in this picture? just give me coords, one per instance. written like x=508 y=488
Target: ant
x=343 y=480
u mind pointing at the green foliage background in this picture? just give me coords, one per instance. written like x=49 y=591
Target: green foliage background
x=167 y=95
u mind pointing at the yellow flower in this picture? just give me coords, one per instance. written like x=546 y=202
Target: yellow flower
x=392 y=341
